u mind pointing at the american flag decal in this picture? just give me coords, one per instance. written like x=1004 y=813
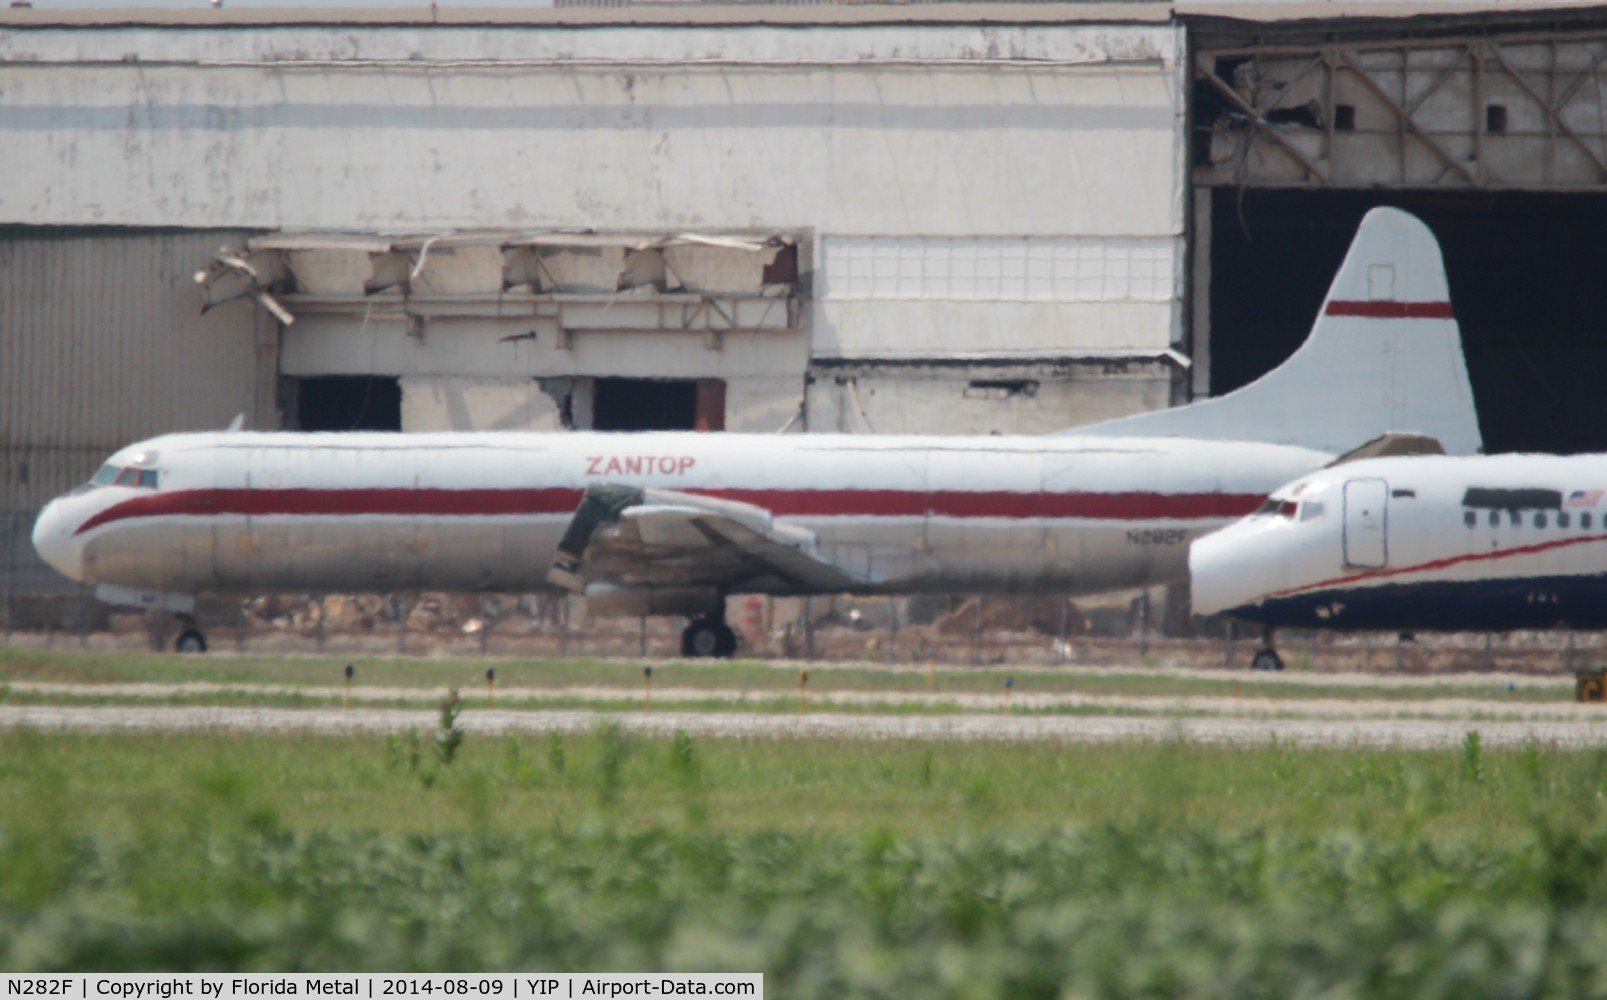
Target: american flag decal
x=1584 y=498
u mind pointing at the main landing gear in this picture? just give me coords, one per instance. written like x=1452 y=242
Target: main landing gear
x=190 y=639
x=709 y=636
x=1266 y=658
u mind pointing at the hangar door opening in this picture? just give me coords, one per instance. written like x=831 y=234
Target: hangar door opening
x=645 y=404
x=1524 y=274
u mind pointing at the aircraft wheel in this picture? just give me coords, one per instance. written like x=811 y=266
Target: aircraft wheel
x=706 y=637
x=1266 y=659
x=728 y=641
x=190 y=641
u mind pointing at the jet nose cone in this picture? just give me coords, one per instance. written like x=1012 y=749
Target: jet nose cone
x=52 y=539
x=1218 y=575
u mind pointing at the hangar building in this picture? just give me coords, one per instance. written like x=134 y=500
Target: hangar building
x=938 y=218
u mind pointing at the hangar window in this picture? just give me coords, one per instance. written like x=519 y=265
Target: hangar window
x=345 y=403
x=1495 y=119
x=646 y=404
x=1344 y=117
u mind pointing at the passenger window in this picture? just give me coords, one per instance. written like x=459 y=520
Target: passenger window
x=1517 y=519
x=1539 y=519
x=1495 y=519
x=1584 y=520
x=1562 y=519
x=1469 y=518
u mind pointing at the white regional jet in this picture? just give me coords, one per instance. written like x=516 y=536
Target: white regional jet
x=671 y=523
x=1434 y=543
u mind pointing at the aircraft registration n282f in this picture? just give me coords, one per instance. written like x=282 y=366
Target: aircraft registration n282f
x=1435 y=543
x=672 y=523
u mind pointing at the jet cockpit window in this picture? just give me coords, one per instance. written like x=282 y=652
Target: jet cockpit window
x=122 y=475
x=1281 y=508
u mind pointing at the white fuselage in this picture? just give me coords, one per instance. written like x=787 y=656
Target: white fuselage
x=275 y=512
x=1497 y=542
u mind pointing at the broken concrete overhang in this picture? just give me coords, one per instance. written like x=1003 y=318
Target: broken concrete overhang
x=474 y=269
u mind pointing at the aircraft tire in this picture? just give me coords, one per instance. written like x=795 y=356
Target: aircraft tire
x=1266 y=659
x=706 y=637
x=190 y=641
x=728 y=641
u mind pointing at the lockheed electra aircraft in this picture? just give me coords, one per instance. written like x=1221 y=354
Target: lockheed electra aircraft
x=672 y=523
x=1433 y=543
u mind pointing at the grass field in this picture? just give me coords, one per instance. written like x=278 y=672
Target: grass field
x=836 y=868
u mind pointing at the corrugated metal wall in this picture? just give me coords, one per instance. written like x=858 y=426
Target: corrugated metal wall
x=102 y=342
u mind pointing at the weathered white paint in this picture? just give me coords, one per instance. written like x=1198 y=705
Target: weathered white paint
x=498 y=348
x=452 y=403
x=933 y=129
x=1050 y=399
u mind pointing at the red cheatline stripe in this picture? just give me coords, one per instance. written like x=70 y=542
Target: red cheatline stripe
x=1130 y=506
x=1390 y=310
x=1437 y=564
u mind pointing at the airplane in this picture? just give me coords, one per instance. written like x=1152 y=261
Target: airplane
x=674 y=522
x=1430 y=543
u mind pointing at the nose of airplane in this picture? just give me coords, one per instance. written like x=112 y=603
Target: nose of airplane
x=52 y=539
x=1223 y=573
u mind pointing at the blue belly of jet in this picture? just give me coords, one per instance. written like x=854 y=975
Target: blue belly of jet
x=1445 y=606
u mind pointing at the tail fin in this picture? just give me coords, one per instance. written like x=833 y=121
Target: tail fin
x=1385 y=355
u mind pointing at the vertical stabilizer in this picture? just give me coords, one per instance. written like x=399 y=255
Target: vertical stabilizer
x=1384 y=355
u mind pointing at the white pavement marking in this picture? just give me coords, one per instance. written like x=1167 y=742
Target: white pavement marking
x=1416 y=733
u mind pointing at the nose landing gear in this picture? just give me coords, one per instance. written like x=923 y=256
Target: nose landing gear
x=190 y=639
x=1266 y=658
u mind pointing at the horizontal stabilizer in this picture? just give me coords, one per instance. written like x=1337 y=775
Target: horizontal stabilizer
x=1392 y=445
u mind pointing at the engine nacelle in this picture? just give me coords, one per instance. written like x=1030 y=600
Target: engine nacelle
x=607 y=599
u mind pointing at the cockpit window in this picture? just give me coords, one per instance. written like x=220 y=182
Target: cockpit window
x=1310 y=510
x=121 y=475
x=1281 y=508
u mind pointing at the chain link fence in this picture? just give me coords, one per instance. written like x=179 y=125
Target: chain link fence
x=40 y=608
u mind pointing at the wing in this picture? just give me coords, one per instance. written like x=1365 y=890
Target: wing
x=629 y=537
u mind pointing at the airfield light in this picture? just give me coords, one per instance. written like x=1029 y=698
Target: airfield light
x=647 y=686
x=1009 y=683
x=350 y=670
x=803 y=690
x=490 y=687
